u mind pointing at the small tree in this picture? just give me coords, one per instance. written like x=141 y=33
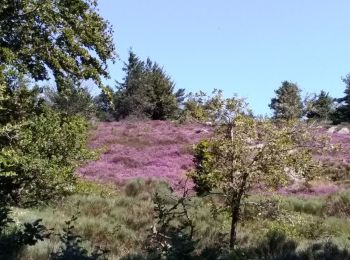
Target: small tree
x=244 y=152
x=203 y=107
x=320 y=107
x=194 y=106
x=287 y=104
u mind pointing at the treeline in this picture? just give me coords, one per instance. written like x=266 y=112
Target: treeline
x=289 y=104
x=145 y=92
x=148 y=92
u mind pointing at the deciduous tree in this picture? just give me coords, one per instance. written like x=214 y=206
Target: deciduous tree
x=65 y=39
x=245 y=152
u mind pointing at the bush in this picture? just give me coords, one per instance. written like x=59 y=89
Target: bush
x=339 y=205
x=40 y=162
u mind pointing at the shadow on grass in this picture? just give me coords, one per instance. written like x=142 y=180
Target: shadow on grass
x=14 y=238
x=72 y=246
x=275 y=246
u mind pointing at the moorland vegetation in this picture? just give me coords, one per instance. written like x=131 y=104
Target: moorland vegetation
x=147 y=171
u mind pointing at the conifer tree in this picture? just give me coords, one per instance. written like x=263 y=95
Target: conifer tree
x=342 y=113
x=287 y=104
x=146 y=91
x=321 y=107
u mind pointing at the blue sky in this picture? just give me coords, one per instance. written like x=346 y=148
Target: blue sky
x=246 y=47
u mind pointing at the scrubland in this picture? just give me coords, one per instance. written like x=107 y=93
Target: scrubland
x=115 y=210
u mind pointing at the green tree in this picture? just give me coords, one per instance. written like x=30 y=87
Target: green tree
x=162 y=97
x=132 y=96
x=38 y=163
x=194 y=106
x=342 y=112
x=19 y=102
x=244 y=152
x=208 y=108
x=146 y=91
x=66 y=39
x=105 y=106
x=320 y=107
x=74 y=100
x=287 y=104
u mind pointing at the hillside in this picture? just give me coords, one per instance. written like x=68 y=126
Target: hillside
x=149 y=149
x=161 y=150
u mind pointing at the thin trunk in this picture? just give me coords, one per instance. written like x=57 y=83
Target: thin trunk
x=234 y=221
x=235 y=210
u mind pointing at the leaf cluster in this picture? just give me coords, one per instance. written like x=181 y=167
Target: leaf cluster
x=66 y=39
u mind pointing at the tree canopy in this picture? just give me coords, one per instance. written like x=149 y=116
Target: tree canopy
x=245 y=152
x=320 y=107
x=287 y=104
x=342 y=112
x=59 y=38
x=146 y=91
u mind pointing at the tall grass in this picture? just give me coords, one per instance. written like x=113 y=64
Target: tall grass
x=121 y=220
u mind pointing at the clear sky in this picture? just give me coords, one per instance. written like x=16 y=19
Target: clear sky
x=246 y=47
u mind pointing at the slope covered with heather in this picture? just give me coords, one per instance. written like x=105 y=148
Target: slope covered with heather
x=143 y=149
x=162 y=150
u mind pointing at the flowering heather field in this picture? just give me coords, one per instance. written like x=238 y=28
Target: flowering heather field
x=149 y=149
x=162 y=150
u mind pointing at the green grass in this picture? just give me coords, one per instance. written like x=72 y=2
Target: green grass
x=121 y=219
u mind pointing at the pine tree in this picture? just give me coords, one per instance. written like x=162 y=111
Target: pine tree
x=342 y=113
x=321 y=107
x=287 y=104
x=146 y=91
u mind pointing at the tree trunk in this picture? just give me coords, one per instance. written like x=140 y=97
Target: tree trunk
x=235 y=209
x=234 y=221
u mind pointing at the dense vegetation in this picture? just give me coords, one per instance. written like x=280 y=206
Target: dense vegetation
x=227 y=200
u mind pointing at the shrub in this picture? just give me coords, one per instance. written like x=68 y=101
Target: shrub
x=339 y=205
x=40 y=162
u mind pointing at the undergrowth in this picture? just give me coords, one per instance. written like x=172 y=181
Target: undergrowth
x=119 y=220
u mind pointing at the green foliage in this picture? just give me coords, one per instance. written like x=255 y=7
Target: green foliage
x=212 y=108
x=172 y=234
x=312 y=206
x=287 y=104
x=339 y=205
x=19 y=102
x=104 y=104
x=67 y=39
x=320 y=107
x=122 y=223
x=72 y=101
x=342 y=112
x=72 y=248
x=336 y=171
x=14 y=238
x=106 y=219
x=146 y=91
x=245 y=152
x=194 y=106
x=42 y=156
